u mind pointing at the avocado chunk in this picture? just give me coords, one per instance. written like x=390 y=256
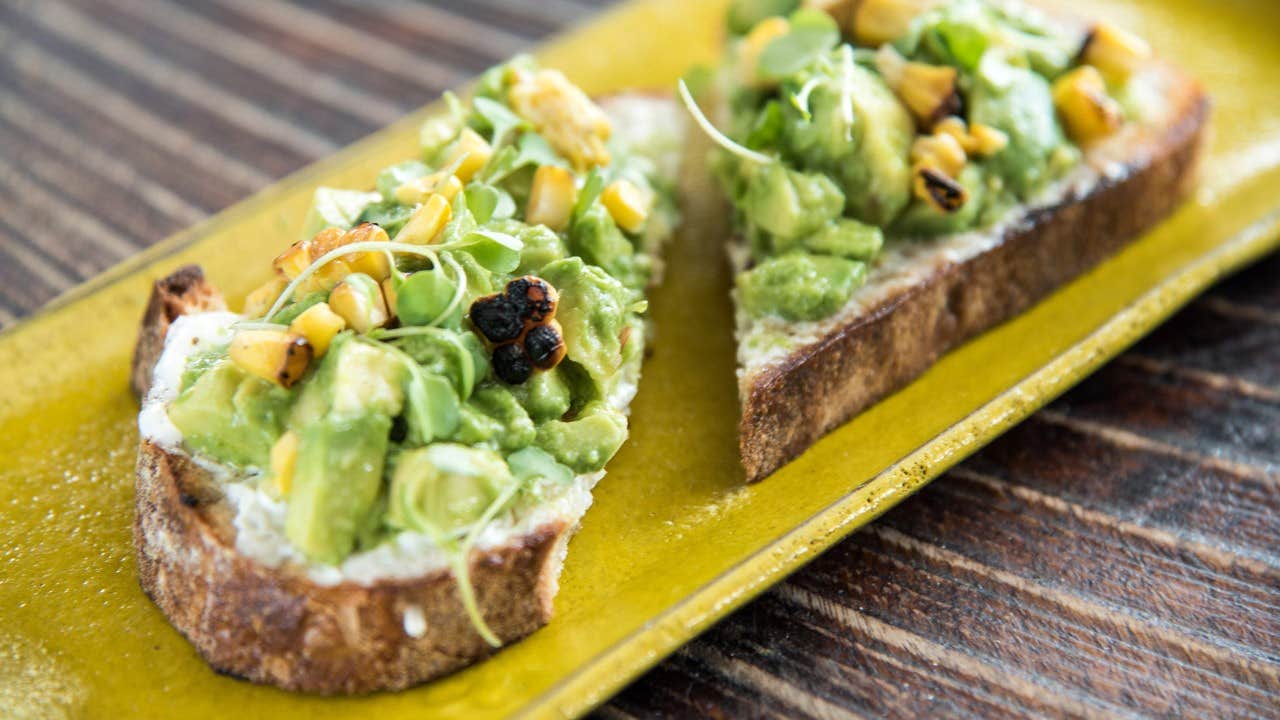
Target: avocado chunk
x=336 y=483
x=587 y=442
x=1018 y=102
x=229 y=415
x=445 y=488
x=593 y=310
x=800 y=286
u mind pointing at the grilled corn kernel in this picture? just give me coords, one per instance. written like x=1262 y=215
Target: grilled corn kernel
x=1084 y=106
x=280 y=357
x=551 y=198
x=876 y=22
x=627 y=204
x=987 y=141
x=293 y=260
x=929 y=92
x=419 y=189
x=258 y=302
x=956 y=128
x=358 y=300
x=426 y=222
x=326 y=240
x=389 y=294
x=374 y=263
x=324 y=278
x=939 y=151
x=569 y=121
x=1115 y=52
x=937 y=189
x=753 y=45
x=318 y=324
x=474 y=152
x=284 y=458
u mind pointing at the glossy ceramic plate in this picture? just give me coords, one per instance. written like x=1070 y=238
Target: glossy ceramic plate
x=675 y=539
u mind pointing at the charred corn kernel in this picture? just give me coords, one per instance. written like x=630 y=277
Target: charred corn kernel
x=1084 y=106
x=937 y=189
x=929 y=92
x=419 y=189
x=318 y=324
x=280 y=357
x=987 y=141
x=627 y=204
x=389 y=294
x=840 y=10
x=569 y=121
x=375 y=264
x=753 y=45
x=293 y=260
x=324 y=278
x=1115 y=52
x=258 y=302
x=876 y=22
x=284 y=458
x=358 y=300
x=551 y=198
x=326 y=240
x=426 y=222
x=956 y=128
x=939 y=151
x=474 y=152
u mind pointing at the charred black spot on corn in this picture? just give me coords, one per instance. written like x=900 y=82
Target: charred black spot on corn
x=941 y=191
x=519 y=325
x=533 y=297
x=497 y=319
x=545 y=345
x=511 y=363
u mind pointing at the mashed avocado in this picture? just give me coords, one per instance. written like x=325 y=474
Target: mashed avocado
x=453 y=342
x=836 y=147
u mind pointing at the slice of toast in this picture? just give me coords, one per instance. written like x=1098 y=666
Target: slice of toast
x=318 y=629
x=926 y=297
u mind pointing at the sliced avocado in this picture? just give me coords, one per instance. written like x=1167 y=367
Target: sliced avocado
x=231 y=416
x=331 y=207
x=336 y=483
x=587 y=442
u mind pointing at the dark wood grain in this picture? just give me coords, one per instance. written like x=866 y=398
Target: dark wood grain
x=1117 y=554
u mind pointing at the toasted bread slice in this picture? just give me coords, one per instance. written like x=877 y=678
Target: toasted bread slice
x=924 y=298
x=254 y=612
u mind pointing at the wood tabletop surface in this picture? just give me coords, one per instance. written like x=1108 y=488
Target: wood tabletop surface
x=1118 y=554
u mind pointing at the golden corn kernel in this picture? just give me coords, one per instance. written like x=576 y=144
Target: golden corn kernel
x=569 y=121
x=293 y=260
x=280 y=357
x=326 y=240
x=258 y=302
x=284 y=458
x=939 y=151
x=929 y=92
x=426 y=222
x=374 y=263
x=324 y=278
x=987 y=141
x=551 y=198
x=1115 y=52
x=318 y=324
x=358 y=300
x=419 y=189
x=937 y=189
x=876 y=22
x=1084 y=106
x=389 y=294
x=956 y=128
x=476 y=151
x=627 y=204
x=753 y=45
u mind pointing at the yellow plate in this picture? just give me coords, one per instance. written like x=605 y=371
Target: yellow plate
x=674 y=540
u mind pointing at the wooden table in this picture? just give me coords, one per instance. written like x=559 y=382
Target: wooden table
x=1118 y=553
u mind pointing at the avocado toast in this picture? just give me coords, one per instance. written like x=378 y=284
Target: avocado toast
x=368 y=478
x=905 y=174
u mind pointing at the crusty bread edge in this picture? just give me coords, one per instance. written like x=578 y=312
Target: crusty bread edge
x=182 y=292
x=789 y=405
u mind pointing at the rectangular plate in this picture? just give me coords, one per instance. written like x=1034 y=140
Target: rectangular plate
x=675 y=540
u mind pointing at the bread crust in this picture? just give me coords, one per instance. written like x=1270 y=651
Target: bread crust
x=788 y=405
x=183 y=291
x=277 y=626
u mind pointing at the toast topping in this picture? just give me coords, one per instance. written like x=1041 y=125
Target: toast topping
x=446 y=349
x=900 y=119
